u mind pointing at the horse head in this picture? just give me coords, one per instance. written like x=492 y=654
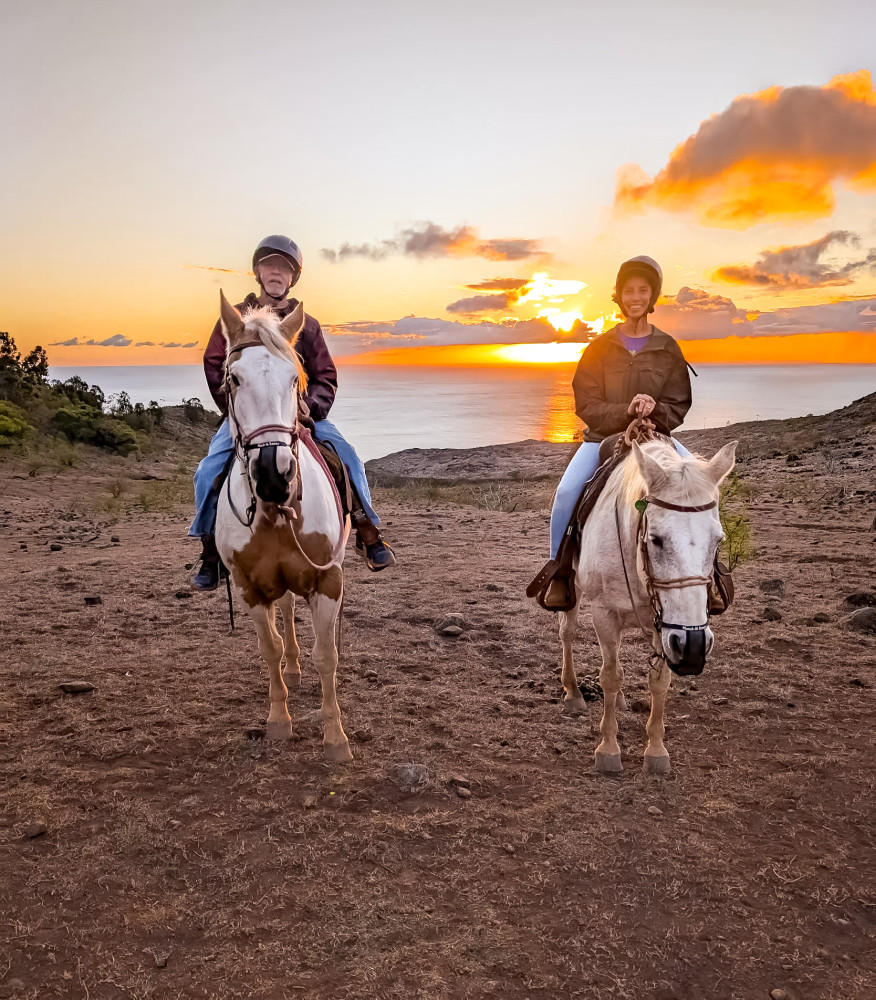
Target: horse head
x=263 y=378
x=679 y=534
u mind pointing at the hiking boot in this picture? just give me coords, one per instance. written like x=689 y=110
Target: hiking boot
x=378 y=555
x=207 y=576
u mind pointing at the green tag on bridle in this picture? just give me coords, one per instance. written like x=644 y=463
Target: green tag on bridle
x=640 y=505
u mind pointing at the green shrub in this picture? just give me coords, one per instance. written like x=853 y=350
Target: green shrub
x=13 y=423
x=80 y=422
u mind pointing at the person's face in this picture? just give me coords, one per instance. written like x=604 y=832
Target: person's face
x=636 y=297
x=274 y=274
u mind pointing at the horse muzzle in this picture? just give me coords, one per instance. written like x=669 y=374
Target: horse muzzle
x=272 y=474
x=686 y=649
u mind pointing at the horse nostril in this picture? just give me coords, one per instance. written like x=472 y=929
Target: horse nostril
x=677 y=642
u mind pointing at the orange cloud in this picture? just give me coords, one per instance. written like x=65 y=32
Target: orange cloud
x=773 y=155
x=428 y=239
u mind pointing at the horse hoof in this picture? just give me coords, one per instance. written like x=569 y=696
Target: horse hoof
x=292 y=681
x=608 y=763
x=279 y=730
x=621 y=702
x=338 y=753
x=657 y=765
x=574 y=706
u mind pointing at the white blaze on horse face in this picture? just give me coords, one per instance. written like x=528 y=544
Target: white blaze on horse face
x=265 y=392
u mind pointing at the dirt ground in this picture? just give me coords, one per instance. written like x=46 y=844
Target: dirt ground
x=154 y=846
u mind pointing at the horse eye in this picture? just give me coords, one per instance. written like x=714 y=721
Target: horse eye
x=657 y=540
x=235 y=381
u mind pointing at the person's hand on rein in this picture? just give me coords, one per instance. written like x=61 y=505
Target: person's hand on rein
x=641 y=406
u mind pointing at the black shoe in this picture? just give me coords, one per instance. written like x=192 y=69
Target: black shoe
x=377 y=556
x=208 y=575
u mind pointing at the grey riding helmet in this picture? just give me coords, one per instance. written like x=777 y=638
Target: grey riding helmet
x=646 y=267
x=283 y=246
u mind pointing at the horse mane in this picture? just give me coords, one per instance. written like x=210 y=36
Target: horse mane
x=688 y=481
x=262 y=321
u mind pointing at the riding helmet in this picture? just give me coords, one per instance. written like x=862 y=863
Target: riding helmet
x=642 y=266
x=283 y=246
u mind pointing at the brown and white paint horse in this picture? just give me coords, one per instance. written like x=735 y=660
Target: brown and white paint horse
x=279 y=528
x=654 y=532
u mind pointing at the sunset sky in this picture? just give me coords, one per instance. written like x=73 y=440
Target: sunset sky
x=460 y=173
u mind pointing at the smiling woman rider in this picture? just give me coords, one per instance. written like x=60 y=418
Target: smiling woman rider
x=632 y=370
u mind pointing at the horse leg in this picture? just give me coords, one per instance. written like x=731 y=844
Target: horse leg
x=656 y=754
x=608 y=631
x=279 y=726
x=325 y=657
x=292 y=670
x=573 y=703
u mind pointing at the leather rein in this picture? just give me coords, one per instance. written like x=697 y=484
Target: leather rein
x=244 y=443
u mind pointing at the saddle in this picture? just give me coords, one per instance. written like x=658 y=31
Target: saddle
x=613 y=450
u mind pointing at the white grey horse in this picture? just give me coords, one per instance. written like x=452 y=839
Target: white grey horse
x=647 y=552
x=279 y=528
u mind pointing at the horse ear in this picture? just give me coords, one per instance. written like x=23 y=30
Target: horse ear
x=293 y=324
x=652 y=471
x=232 y=324
x=722 y=462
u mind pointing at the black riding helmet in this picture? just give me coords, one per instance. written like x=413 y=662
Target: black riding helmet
x=283 y=246
x=642 y=267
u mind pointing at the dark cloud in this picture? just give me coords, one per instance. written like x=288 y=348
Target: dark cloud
x=428 y=239
x=116 y=340
x=145 y=343
x=482 y=303
x=777 y=154
x=694 y=314
x=499 y=284
x=800 y=266
x=72 y=342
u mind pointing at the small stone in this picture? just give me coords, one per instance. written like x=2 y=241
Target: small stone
x=864 y=620
x=641 y=705
x=771 y=615
x=309 y=802
x=509 y=848
x=451 y=631
x=370 y=675
x=55 y=547
x=863 y=599
x=254 y=732
x=161 y=959
x=654 y=811
x=76 y=687
x=463 y=793
x=459 y=781
x=822 y=953
x=183 y=595
x=775 y=586
x=115 y=540
x=363 y=736
x=23 y=546
x=821 y=617
x=450 y=621
x=778 y=995
x=719 y=701
x=92 y=602
x=410 y=778
x=35 y=829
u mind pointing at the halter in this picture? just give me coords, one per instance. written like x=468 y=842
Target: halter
x=244 y=443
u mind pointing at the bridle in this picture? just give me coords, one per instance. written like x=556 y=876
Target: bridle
x=652 y=585
x=244 y=443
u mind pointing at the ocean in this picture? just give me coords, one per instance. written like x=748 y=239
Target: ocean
x=382 y=409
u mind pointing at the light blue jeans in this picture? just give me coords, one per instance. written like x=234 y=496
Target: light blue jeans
x=221 y=449
x=579 y=471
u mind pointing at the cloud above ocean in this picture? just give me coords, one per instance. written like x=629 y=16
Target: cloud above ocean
x=428 y=239
x=775 y=155
x=803 y=266
x=119 y=340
